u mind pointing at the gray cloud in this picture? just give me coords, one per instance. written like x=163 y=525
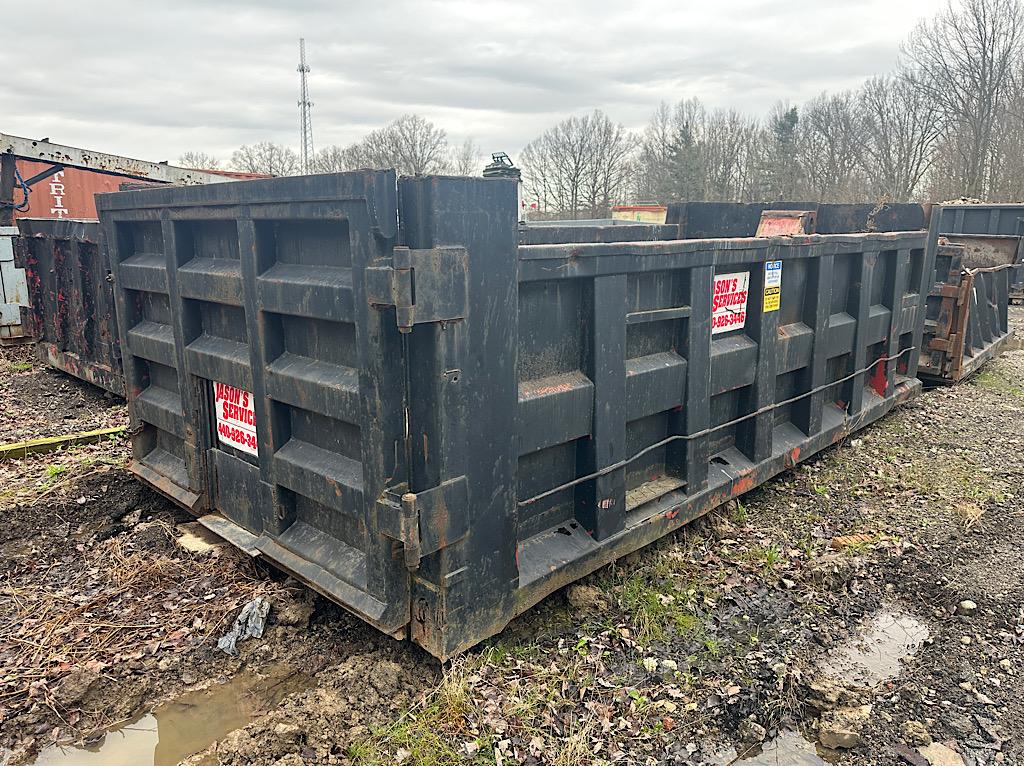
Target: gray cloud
x=154 y=80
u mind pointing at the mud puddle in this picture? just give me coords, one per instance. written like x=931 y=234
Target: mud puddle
x=876 y=654
x=789 y=748
x=183 y=726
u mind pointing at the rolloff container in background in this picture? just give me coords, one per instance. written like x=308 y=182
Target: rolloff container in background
x=967 y=319
x=697 y=220
x=71 y=313
x=992 y=234
x=41 y=179
x=370 y=383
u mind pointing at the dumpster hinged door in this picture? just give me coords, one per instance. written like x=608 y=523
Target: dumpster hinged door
x=264 y=385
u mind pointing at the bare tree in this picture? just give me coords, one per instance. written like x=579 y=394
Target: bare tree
x=466 y=159
x=965 y=61
x=689 y=153
x=609 y=167
x=198 y=161
x=1007 y=184
x=411 y=145
x=330 y=159
x=651 y=170
x=829 y=145
x=901 y=128
x=267 y=158
x=727 y=145
x=578 y=167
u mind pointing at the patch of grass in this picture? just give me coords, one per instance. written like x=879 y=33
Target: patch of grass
x=21 y=366
x=739 y=514
x=896 y=461
x=712 y=647
x=770 y=557
x=431 y=735
x=993 y=380
x=656 y=600
x=52 y=472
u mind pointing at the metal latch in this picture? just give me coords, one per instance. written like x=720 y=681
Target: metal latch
x=423 y=285
x=425 y=521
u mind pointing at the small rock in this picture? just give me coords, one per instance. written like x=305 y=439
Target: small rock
x=73 y=688
x=940 y=755
x=1005 y=664
x=963 y=725
x=670 y=664
x=966 y=608
x=915 y=734
x=288 y=733
x=840 y=729
x=966 y=640
x=751 y=732
x=132 y=517
x=296 y=611
x=586 y=598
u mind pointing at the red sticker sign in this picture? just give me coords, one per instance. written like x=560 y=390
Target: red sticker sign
x=729 y=302
x=236 y=418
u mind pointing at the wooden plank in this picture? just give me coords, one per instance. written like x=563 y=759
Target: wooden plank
x=50 y=443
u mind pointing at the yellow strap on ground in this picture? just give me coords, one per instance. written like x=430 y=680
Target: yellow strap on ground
x=50 y=443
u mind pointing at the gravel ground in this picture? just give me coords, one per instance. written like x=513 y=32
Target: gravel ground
x=871 y=600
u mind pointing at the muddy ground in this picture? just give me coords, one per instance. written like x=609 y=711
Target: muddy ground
x=873 y=599
x=39 y=401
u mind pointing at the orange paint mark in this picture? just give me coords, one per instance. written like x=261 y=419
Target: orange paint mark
x=744 y=484
x=880 y=379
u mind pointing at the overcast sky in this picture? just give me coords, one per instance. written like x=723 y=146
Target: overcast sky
x=152 y=80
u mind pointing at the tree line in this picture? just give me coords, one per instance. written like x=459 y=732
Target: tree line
x=412 y=145
x=948 y=122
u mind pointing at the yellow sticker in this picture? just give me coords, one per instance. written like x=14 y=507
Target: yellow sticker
x=772 y=285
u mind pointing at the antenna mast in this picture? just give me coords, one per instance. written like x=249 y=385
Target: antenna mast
x=306 y=122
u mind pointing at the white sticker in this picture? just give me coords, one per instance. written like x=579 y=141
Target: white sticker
x=236 y=418
x=772 y=285
x=729 y=302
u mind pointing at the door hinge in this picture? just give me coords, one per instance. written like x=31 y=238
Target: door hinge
x=425 y=522
x=423 y=285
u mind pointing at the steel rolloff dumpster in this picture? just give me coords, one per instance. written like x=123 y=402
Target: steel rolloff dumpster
x=369 y=382
x=967 y=317
x=966 y=323
x=992 y=234
x=71 y=299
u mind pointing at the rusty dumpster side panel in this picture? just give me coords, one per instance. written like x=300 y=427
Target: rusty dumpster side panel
x=71 y=313
x=698 y=220
x=437 y=426
x=967 y=318
x=991 y=230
